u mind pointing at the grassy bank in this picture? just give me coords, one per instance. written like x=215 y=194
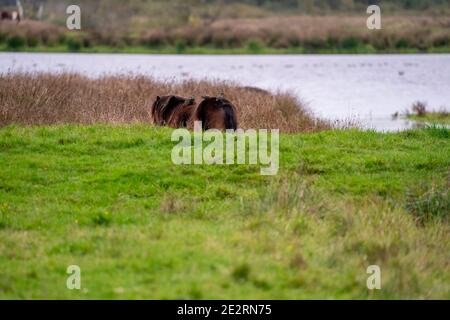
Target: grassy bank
x=108 y=198
x=86 y=180
x=432 y=117
x=249 y=49
x=288 y=34
x=421 y=113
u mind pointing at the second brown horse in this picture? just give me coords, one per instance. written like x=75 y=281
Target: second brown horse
x=177 y=112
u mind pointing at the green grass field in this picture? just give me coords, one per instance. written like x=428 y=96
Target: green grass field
x=109 y=199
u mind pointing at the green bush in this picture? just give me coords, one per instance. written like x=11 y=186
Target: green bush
x=32 y=41
x=441 y=41
x=15 y=42
x=254 y=46
x=332 y=42
x=73 y=44
x=87 y=43
x=47 y=39
x=3 y=37
x=62 y=39
x=351 y=43
x=402 y=44
x=180 y=46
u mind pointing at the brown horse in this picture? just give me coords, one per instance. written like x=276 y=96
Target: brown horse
x=213 y=112
x=216 y=113
x=181 y=116
x=173 y=111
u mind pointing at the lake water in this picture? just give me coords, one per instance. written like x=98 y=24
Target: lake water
x=365 y=88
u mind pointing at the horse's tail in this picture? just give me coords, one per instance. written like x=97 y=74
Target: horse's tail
x=230 y=117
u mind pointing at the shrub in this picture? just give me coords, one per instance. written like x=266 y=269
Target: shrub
x=441 y=41
x=332 y=42
x=180 y=47
x=62 y=39
x=47 y=39
x=16 y=42
x=3 y=37
x=351 y=43
x=420 y=108
x=254 y=46
x=32 y=41
x=87 y=43
x=381 y=41
x=402 y=44
x=73 y=44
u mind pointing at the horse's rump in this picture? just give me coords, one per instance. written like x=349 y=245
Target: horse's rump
x=181 y=116
x=216 y=113
x=213 y=112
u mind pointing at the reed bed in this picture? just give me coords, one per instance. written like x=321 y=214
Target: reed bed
x=45 y=99
x=312 y=33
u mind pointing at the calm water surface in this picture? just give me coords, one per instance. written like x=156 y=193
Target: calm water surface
x=366 y=88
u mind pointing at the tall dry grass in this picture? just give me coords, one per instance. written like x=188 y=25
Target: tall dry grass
x=310 y=32
x=41 y=99
x=33 y=32
x=319 y=32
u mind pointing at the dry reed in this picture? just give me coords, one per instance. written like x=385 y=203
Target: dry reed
x=40 y=99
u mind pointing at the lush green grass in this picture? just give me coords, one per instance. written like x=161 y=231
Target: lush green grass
x=432 y=117
x=363 y=49
x=109 y=199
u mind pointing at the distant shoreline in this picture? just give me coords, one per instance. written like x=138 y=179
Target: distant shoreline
x=269 y=35
x=219 y=51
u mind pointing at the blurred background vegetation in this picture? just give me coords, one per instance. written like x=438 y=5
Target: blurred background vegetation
x=250 y=25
